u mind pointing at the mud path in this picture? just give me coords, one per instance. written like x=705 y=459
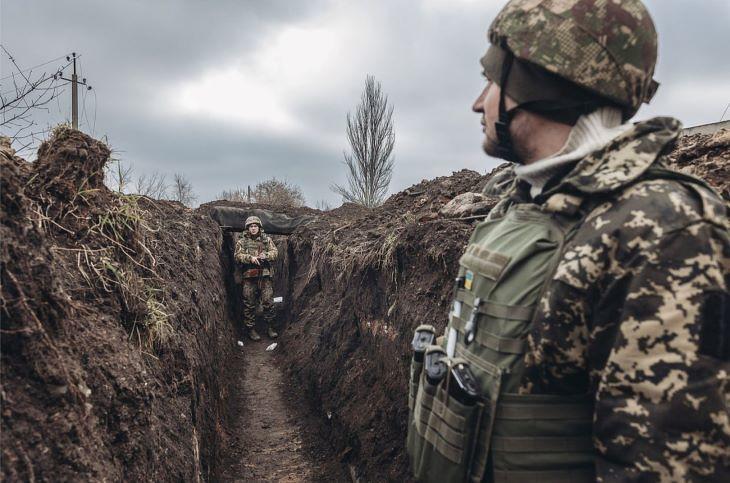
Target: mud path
x=272 y=436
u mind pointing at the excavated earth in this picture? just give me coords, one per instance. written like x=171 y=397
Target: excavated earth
x=121 y=315
x=115 y=326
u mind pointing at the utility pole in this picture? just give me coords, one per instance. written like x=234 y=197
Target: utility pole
x=74 y=80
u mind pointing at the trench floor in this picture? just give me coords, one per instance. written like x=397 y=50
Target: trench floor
x=273 y=436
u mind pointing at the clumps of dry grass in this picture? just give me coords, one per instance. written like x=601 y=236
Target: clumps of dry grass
x=374 y=250
x=112 y=257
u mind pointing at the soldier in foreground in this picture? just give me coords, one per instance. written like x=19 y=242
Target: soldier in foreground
x=590 y=332
x=256 y=250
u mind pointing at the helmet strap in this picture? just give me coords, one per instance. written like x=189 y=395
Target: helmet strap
x=505 y=148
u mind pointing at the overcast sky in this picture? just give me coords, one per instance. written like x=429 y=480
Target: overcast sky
x=231 y=92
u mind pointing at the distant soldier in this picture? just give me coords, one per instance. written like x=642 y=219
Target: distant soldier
x=589 y=338
x=256 y=250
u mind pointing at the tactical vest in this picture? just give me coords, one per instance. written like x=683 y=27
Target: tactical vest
x=504 y=437
x=254 y=246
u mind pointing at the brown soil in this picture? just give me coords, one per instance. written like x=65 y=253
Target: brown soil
x=706 y=156
x=272 y=436
x=360 y=281
x=115 y=329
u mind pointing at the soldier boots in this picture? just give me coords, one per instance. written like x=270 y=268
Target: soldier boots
x=253 y=335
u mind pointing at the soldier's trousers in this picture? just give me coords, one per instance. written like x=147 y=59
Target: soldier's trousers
x=257 y=290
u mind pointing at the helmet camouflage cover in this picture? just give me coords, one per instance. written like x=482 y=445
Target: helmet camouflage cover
x=252 y=220
x=606 y=46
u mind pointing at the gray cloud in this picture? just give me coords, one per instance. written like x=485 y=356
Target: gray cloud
x=139 y=55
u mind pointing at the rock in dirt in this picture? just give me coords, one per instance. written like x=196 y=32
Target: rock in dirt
x=468 y=204
x=706 y=156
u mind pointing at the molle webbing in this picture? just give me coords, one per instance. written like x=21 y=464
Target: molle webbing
x=493 y=341
x=580 y=475
x=507 y=436
x=486 y=263
x=502 y=311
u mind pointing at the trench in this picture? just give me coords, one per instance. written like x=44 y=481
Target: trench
x=83 y=401
x=272 y=433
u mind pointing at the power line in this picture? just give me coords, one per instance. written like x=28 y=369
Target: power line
x=93 y=129
x=74 y=91
x=725 y=111
x=35 y=66
x=42 y=79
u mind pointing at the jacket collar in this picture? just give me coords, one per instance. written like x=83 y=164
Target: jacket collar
x=621 y=161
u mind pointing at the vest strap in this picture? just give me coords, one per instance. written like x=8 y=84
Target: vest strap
x=442 y=446
x=511 y=411
x=492 y=341
x=550 y=444
x=488 y=263
x=511 y=312
x=579 y=475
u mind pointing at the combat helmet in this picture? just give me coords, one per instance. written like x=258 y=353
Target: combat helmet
x=252 y=220
x=606 y=47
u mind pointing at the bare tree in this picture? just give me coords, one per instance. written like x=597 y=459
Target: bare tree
x=235 y=194
x=182 y=190
x=371 y=137
x=152 y=186
x=323 y=205
x=22 y=93
x=118 y=175
x=278 y=192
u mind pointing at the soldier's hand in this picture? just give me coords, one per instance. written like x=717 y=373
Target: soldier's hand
x=255 y=261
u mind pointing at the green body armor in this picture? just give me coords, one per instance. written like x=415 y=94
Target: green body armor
x=503 y=436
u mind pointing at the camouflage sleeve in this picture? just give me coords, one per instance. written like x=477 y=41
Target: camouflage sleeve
x=239 y=254
x=662 y=401
x=271 y=250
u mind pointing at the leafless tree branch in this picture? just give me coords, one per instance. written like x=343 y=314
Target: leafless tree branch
x=371 y=137
x=152 y=186
x=118 y=175
x=271 y=192
x=29 y=92
x=182 y=190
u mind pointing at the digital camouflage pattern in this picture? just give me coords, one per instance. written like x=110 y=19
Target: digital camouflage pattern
x=637 y=312
x=255 y=291
x=606 y=46
x=249 y=246
x=251 y=220
x=256 y=285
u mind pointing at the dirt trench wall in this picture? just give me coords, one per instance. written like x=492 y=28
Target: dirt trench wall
x=360 y=282
x=115 y=328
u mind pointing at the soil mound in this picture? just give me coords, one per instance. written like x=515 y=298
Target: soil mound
x=706 y=156
x=114 y=326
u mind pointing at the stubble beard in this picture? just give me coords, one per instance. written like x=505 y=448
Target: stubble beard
x=491 y=143
x=489 y=146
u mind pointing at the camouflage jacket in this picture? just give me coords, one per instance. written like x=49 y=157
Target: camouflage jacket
x=637 y=312
x=249 y=246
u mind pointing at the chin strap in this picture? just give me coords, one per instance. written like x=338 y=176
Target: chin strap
x=505 y=149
